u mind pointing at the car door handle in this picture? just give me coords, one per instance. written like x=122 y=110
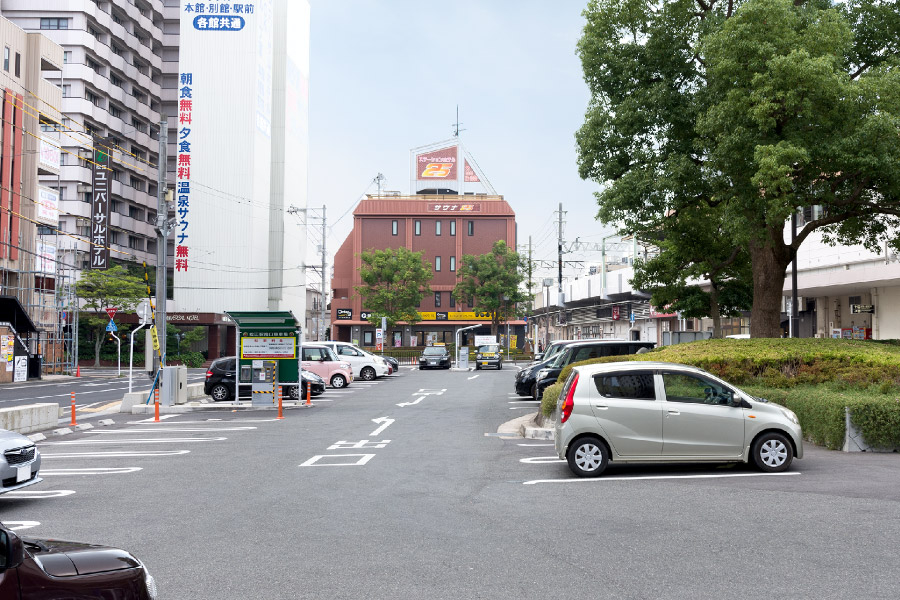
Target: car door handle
x=674 y=412
x=602 y=406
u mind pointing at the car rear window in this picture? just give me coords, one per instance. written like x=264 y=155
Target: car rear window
x=434 y=351
x=632 y=385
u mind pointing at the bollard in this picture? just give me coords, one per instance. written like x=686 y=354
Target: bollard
x=280 y=414
x=73 y=423
x=156 y=405
x=308 y=395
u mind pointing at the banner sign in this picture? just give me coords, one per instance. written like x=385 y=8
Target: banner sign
x=858 y=309
x=656 y=313
x=46 y=257
x=473 y=207
x=344 y=314
x=470 y=174
x=438 y=164
x=183 y=168
x=50 y=153
x=455 y=316
x=48 y=206
x=269 y=347
x=100 y=207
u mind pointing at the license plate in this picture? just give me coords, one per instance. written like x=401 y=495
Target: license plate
x=484 y=362
x=23 y=473
x=431 y=362
x=489 y=354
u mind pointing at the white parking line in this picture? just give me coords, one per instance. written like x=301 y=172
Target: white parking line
x=540 y=460
x=526 y=445
x=655 y=477
x=36 y=494
x=20 y=525
x=473 y=377
x=517 y=407
x=524 y=402
x=91 y=441
x=45 y=456
x=152 y=419
x=174 y=429
x=90 y=471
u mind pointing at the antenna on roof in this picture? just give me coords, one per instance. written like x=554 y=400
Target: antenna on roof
x=456 y=126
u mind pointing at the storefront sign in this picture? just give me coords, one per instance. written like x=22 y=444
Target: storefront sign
x=48 y=206
x=100 y=207
x=455 y=316
x=661 y=314
x=438 y=164
x=858 y=309
x=49 y=153
x=268 y=347
x=344 y=314
x=454 y=207
x=46 y=257
x=615 y=313
x=363 y=314
x=21 y=372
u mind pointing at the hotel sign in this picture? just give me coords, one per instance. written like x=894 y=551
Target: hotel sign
x=100 y=207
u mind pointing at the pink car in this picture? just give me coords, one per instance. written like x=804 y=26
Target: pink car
x=322 y=361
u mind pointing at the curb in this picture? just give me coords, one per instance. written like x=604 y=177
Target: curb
x=538 y=433
x=149 y=409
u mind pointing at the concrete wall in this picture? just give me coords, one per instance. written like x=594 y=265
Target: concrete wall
x=29 y=418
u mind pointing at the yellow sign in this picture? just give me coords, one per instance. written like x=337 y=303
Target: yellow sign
x=455 y=316
x=155 y=337
x=512 y=341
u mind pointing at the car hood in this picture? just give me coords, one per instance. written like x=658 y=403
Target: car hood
x=11 y=439
x=68 y=559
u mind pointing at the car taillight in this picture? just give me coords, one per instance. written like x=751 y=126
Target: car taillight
x=569 y=403
x=208 y=374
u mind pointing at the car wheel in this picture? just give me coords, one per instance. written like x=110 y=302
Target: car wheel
x=500 y=366
x=368 y=374
x=772 y=452
x=294 y=392
x=338 y=381
x=587 y=457
x=477 y=367
x=220 y=392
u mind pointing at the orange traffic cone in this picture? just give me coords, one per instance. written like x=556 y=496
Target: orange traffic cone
x=78 y=371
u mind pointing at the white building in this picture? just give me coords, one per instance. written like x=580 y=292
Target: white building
x=241 y=136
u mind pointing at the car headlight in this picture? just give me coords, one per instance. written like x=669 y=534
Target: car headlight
x=345 y=365
x=149 y=582
x=542 y=373
x=791 y=416
x=478 y=356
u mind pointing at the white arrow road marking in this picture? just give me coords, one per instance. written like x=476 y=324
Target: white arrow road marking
x=385 y=423
x=540 y=460
x=90 y=471
x=37 y=494
x=114 y=454
x=650 y=477
x=314 y=461
x=174 y=429
x=419 y=399
x=473 y=377
x=20 y=525
x=152 y=419
x=134 y=441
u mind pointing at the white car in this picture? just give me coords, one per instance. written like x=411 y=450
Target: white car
x=20 y=461
x=365 y=366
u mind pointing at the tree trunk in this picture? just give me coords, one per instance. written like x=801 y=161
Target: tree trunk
x=770 y=263
x=714 y=311
x=98 y=341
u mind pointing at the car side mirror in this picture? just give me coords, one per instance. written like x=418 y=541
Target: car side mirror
x=12 y=551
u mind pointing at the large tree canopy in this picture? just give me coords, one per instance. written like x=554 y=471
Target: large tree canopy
x=99 y=290
x=755 y=108
x=395 y=281
x=490 y=283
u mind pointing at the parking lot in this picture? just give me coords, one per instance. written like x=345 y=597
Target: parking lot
x=401 y=488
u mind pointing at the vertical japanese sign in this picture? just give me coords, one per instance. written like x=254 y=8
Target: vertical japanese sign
x=183 y=171
x=100 y=207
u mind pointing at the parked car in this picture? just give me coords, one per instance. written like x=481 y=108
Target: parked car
x=584 y=350
x=393 y=363
x=219 y=383
x=435 y=357
x=365 y=366
x=32 y=568
x=322 y=361
x=489 y=356
x=20 y=462
x=664 y=412
x=526 y=379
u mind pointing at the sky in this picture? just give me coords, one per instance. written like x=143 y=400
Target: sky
x=386 y=76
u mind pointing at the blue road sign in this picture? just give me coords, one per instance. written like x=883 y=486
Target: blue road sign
x=111 y=326
x=631 y=318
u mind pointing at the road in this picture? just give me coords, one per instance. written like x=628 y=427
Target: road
x=95 y=391
x=398 y=489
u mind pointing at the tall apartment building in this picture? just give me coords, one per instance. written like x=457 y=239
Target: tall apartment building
x=118 y=78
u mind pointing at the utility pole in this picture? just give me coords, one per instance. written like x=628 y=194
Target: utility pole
x=560 y=257
x=325 y=277
x=163 y=229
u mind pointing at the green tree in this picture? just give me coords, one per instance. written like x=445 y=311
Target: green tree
x=757 y=108
x=99 y=290
x=394 y=282
x=490 y=283
x=694 y=246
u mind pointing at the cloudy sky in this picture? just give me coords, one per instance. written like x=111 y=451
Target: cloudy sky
x=386 y=76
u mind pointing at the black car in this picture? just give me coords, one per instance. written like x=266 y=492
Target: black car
x=393 y=362
x=585 y=350
x=435 y=357
x=220 y=382
x=527 y=377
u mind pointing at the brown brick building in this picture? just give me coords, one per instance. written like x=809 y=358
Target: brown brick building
x=444 y=228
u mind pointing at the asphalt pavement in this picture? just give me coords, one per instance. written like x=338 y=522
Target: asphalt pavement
x=400 y=488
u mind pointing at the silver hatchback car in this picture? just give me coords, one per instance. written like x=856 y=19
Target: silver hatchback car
x=644 y=412
x=20 y=461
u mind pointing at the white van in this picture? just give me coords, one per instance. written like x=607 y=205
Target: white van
x=365 y=366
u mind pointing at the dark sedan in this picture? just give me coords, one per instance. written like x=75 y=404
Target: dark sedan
x=435 y=357
x=219 y=384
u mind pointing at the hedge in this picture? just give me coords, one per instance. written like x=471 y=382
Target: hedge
x=816 y=378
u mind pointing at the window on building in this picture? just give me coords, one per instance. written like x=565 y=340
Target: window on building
x=115 y=237
x=368 y=338
x=452 y=300
x=135 y=212
x=452 y=263
x=394 y=228
x=92 y=97
x=437 y=299
x=6 y=59
x=135 y=243
x=471 y=227
x=86 y=197
x=437 y=228
x=151 y=246
x=116 y=50
x=437 y=263
x=137 y=183
x=453 y=227
x=54 y=23
x=66 y=90
x=67 y=56
x=151 y=216
x=855 y=300
x=139 y=125
x=418 y=227
x=116 y=175
x=114 y=206
x=115 y=111
x=18 y=65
